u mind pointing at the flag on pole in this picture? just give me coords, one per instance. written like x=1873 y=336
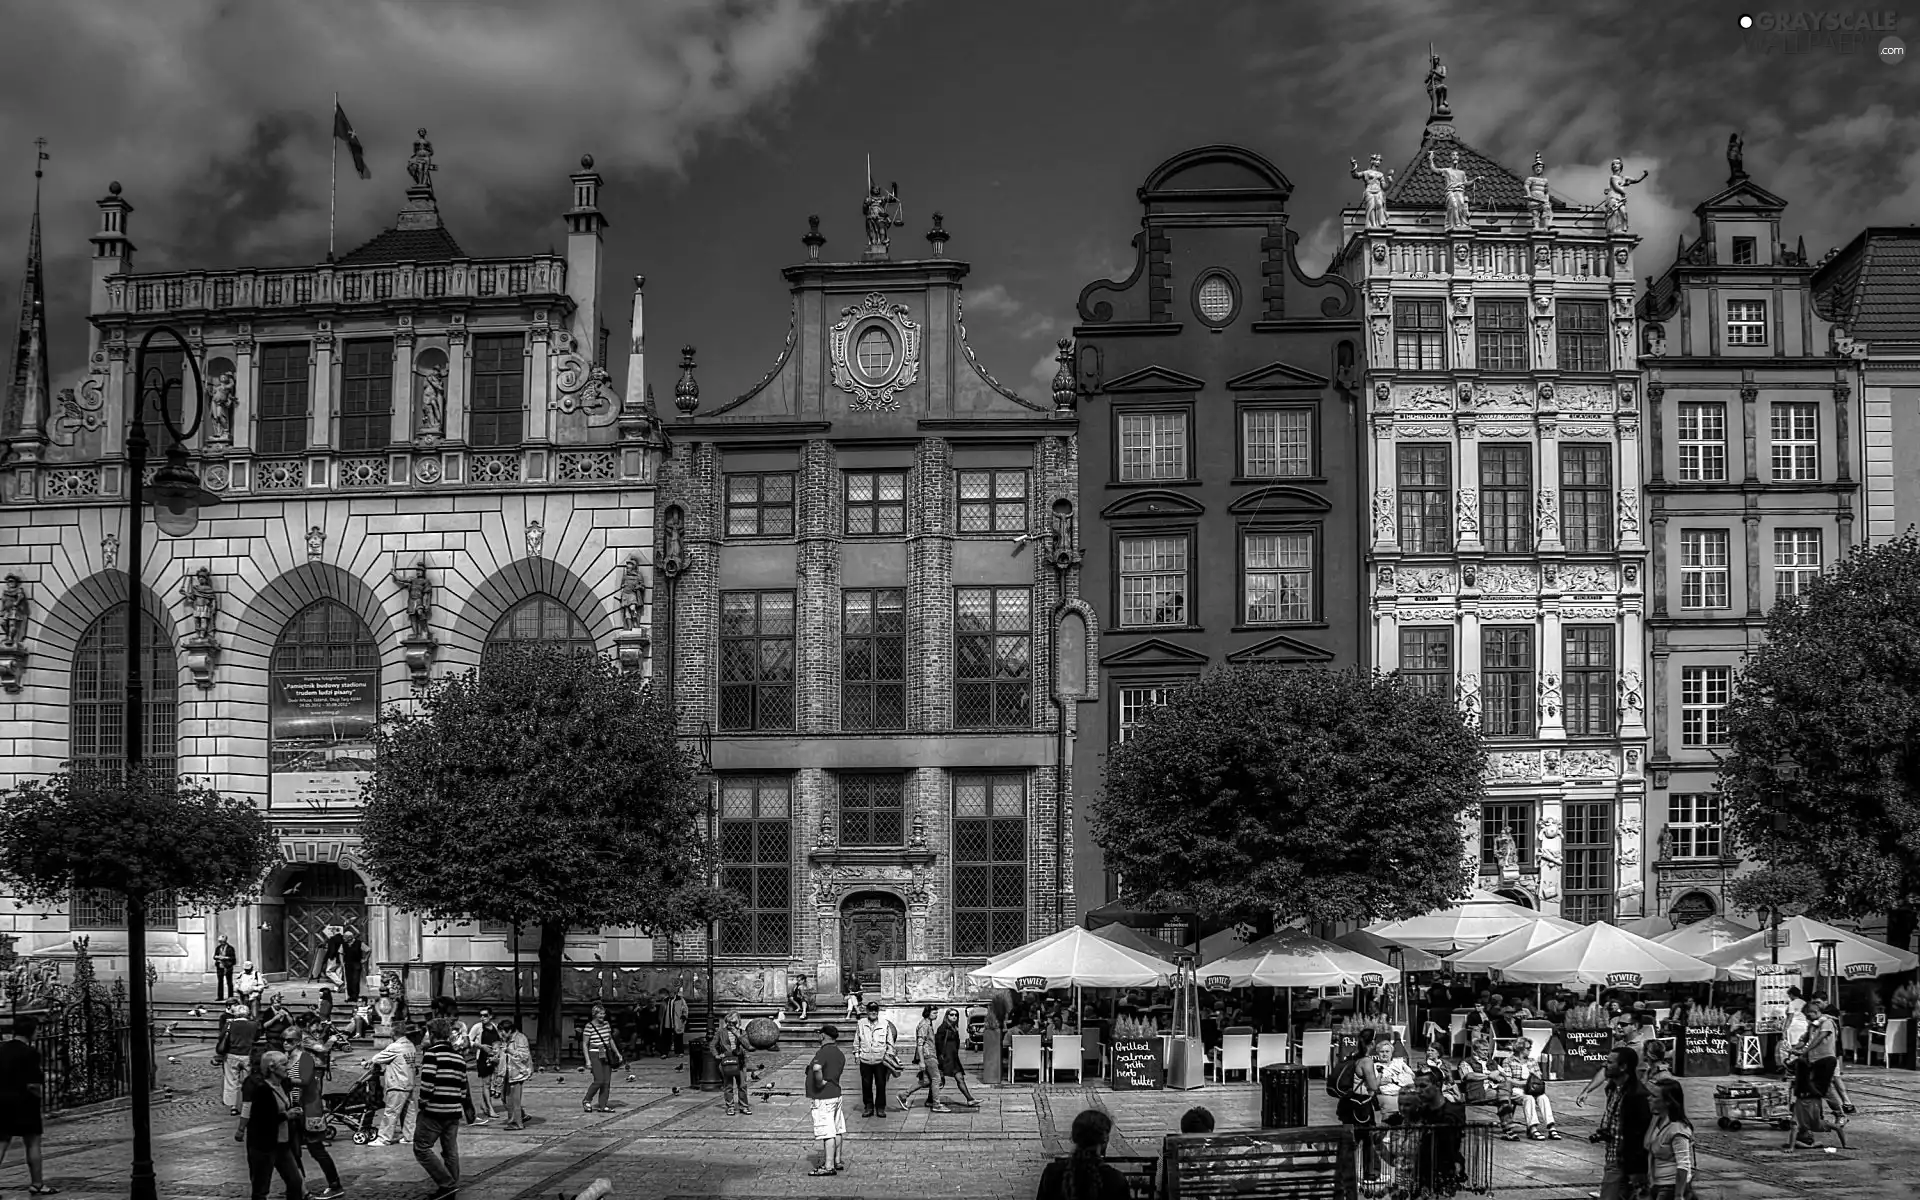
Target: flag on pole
x=343 y=131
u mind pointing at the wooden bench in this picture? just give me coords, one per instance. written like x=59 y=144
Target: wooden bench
x=1315 y=1163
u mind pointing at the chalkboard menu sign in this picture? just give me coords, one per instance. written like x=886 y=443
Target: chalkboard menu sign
x=1137 y=1064
x=1709 y=1051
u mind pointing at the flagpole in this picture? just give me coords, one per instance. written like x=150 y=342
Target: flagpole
x=333 y=174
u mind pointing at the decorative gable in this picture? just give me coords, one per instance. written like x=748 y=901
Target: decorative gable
x=1154 y=504
x=1156 y=379
x=1277 y=375
x=1279 y=497
x=1743 y=196
x=1281 y=650
x=1154 y=652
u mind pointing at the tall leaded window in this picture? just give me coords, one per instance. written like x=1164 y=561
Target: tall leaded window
x=872 y=810
x=1582 y=335
x=756 y=855
x=1693 y=825
x=760 y=505
x=1586 y=498
x=993 y=657
x=281 y=422
x=876 y=502
x=1426 y=511
x=991 y=501
x=1506 y=668
x=989 y=864
x=99 y=908
x=366 y=395
x=1587 y=656
x=1795 y=427
x=1702 y=439
x=539 y=622
x=1704 y=695
x=1500 y=335
x=756 y=661
x=1153 y=580
x=1426 y=658
x=1419 y=336
x=1516 y=821
x=496 y=405
x=97 y=702
x=1506 y=499
x=1153 y=445
x=1587 y=879
x=1277 y=577
x=1703 y=568
x=1276 y=443
x=1796 y=561
x=873 y=658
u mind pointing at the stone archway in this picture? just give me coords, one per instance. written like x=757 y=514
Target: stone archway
x=298 y=903
x=873 y=930
x=1691 y=907
x=1517 y=896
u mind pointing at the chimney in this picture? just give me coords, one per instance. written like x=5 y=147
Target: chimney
x=586 y=252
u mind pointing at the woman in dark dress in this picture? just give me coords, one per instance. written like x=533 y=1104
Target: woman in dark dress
x=21 y=1084
x=267 y=1116
x=1084 y=1175
x=946 y=1053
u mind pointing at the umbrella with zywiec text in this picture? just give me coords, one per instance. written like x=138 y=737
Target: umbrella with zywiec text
x=1603 y=955
x=1294 y=958
x=1474 y=921
x=1855 y=957
x=1512 y=945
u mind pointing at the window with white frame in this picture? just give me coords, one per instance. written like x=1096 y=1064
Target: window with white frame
x=1153 y=445
x=1136 y=700
x=1704 y=692
x=1796 y=560
x=1278 y=577
x=1276 y=443
x=1703 y=568
x=1796 y=440
x=1693 y=825
x=1746 y=322
x=1153 y=580
x=1418 y=337
x=1702 y=430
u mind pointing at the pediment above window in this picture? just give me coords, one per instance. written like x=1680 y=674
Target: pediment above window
x=1155 y=379
x=1278 y=499
x=1282 y=650
x=1277 y=375
x=1154 y=652
x=1154 y=504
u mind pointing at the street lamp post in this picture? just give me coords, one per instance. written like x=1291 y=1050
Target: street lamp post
x=177 y=498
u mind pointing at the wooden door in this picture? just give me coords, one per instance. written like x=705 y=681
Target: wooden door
x=873 y=931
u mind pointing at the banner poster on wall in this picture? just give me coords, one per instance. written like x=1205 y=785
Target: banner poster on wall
x=1771 y=982
x=321 y=725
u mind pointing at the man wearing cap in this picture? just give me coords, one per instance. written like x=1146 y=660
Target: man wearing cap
x=823 y=1092
x=398 y=1063
x=730 y=1048
x=873 y=1041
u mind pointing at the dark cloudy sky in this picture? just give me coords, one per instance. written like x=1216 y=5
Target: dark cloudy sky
x=721 y=124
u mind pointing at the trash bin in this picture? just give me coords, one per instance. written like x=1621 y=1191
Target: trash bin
x=703 y=1067
x=1283 y=1096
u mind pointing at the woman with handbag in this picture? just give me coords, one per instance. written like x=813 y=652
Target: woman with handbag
x=1533 y=1092
x=516 y=1067
x=1670 y=1143
x=926 y=1057
x=267 y=1117
x=602 y=1057
x=946 y=1054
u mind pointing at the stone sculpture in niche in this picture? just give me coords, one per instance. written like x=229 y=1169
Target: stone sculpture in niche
x=633 y=594
x=223 y=397
x=430 y=399
x=202 y=603
x=419 y=599
x=13 y=612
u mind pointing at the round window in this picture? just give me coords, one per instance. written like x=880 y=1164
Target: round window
x=874 y=353
x=1216 y=299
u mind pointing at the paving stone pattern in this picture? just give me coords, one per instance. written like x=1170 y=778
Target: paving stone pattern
x=659 y=1144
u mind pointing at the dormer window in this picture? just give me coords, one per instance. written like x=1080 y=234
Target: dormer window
x=1746 y=251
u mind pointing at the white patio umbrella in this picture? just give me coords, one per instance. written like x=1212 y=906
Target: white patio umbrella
x=1074 y=957
x=1703 y=937
x=1378 y=948
x=1474 y=921
x=1294 y=958
x=1654 y=927
x=1604 y=955
x=1855 y=957
x=1514 y=944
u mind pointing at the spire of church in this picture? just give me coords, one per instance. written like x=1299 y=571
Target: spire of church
x=28 y=390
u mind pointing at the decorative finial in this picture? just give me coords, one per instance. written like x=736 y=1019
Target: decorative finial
x=586 y=160
x=813 y=238
x=639 y=283
x=648 y=405
x=1064 y=395
x=113 y=189
x=686 y=393
x=40 y=155
x=938 y=235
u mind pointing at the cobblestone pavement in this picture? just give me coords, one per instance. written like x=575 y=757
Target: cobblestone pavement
x=663 y=1144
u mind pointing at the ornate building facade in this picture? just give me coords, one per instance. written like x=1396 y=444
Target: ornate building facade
x=1507 y=556
x=418 y=457
x=868 y=598
x=1221 y=480
x=1752 y=489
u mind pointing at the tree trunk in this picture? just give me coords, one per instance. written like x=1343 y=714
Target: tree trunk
x=1900 y=925
x=553 y=937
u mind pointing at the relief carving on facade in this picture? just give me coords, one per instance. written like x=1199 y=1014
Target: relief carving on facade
x=1378 y=327
x=1547 y=515
x=82 y=413
x=1585 y=579
x=870 y=392
x=1523 y=767
x=1467 y=692
x=1427 y=583
x=1503 y=579
x=1517 y=398
x=1629 y=515
x=1467 y=504
x=1423 y=399
x=1629 y=691
x=1575 y=397
x=1589 y=764
x=1549 y=689
x=1385 y=521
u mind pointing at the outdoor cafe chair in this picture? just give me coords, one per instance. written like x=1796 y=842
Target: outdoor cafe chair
x=1236 y=1054
x=1066 y=1056
x=1457 y=1031
x=1029 y=1054
x=1894 y=1041
x=1316 y=1049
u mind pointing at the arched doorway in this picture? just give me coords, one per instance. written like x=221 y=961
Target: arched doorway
x=873 y=930
x=1692 y=907
x=299 y=905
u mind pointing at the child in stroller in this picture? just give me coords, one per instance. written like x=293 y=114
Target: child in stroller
x=356 y=1109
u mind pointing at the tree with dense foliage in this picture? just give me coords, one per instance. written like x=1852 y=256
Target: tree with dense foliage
x=1328 y=796
x=1790 y=889
x=138 y=834
x=1823 y=760
x=546 y=790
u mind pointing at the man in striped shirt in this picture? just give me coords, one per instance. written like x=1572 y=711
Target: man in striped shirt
x=443 y=1105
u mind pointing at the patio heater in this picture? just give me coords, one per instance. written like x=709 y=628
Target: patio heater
x=1826 y=970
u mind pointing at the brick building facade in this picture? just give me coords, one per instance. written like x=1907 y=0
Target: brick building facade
x=406 y=413
x=867 y=578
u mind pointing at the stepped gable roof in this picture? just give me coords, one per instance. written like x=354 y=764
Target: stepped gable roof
x=1873 y=286
x=405 y=245
x=1419 y=186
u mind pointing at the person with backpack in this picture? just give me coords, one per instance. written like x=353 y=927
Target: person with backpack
x=1355 y=1085
x=730 y=1048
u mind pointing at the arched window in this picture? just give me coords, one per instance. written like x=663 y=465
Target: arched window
x=538 y=620
x=96 y=735
x=324 y=699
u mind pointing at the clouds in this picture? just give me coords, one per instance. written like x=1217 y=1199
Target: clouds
x=1014 y=315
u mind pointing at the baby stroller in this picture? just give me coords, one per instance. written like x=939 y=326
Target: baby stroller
x=356 y=1109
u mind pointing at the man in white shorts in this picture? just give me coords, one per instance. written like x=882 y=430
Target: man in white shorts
x=823 y=1092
